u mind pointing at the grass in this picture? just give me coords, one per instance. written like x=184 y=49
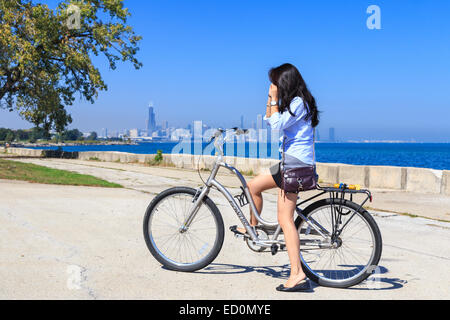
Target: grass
x=157 y=160
x=248 y=173
x=12 y=170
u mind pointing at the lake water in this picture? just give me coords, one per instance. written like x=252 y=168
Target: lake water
x=423 y=155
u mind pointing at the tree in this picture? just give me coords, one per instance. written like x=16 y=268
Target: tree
x=3 y=133
x=32 y=137
x=92 y=137
x=40 y=133
x=9 y=137
x=22 y=135
x=45 y=58
x=72 y=135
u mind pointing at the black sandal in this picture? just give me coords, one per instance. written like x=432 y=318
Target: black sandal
x=304 y=285
x=236 y=232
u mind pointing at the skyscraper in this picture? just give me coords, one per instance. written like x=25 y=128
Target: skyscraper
x=332 y=135
x=151 y=121
x=134 y=133
x=259 y=122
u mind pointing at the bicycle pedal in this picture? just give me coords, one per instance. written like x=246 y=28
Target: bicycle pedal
x=238 y=234
x=274 y=249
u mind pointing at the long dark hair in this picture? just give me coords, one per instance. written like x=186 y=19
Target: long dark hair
x=290 y=84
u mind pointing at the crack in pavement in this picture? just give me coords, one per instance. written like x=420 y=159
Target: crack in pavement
x=73 y=251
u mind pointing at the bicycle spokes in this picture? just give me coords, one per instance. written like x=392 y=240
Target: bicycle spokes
x=343 y=253
x=174 y=241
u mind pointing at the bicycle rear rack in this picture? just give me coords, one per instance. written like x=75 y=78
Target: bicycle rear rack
x=340 y=193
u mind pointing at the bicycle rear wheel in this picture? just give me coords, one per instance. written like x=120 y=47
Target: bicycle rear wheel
x=333 y=259
x=181 y=249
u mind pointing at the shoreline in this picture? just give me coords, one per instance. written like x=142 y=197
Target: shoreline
x=50 y=144
x=434 y=156
x=412 y=179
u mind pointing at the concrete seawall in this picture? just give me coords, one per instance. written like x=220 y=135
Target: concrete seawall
x=381 y=177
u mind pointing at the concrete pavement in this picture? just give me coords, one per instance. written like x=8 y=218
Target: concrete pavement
x=65 y=242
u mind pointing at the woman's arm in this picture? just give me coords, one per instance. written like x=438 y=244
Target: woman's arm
x=270 y=110
x=283 y=121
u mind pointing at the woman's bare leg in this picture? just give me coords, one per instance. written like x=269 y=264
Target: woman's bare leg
x=286 y=207
x=256 y=186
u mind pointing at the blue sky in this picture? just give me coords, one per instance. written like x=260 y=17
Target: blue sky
x=208 y=60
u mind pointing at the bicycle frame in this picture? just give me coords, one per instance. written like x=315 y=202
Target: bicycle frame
x=212 y=182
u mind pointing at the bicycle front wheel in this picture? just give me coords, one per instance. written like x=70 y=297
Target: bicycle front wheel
x=341 y=245
x=172 y=245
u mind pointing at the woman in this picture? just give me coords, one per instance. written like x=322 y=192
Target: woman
x=291 y=109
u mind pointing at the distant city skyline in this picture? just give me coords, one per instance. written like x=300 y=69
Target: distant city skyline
x=196 y=129
x=209 y=61
x=162 y=130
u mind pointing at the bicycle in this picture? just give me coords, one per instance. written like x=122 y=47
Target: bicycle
x=184 y=229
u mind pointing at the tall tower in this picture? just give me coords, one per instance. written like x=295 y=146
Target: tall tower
x=259 y=122
x=151 y=122
x=332 y=135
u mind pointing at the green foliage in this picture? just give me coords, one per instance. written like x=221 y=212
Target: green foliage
x=248 y=173
x=3 y=133
x=92 y=137
x=44 y=61
x=9 y=137
x=72 y=135
x=32 y=138
x=157 y=159
x=159 y=156
x=22 y=135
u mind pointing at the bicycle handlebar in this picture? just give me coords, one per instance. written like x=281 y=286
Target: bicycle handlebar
x=237 y=131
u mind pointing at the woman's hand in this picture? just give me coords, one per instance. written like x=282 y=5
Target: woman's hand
x=273 y=96
x=273 y=92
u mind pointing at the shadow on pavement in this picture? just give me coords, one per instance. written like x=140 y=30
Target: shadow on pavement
x=374 y=282
x=280 y=272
